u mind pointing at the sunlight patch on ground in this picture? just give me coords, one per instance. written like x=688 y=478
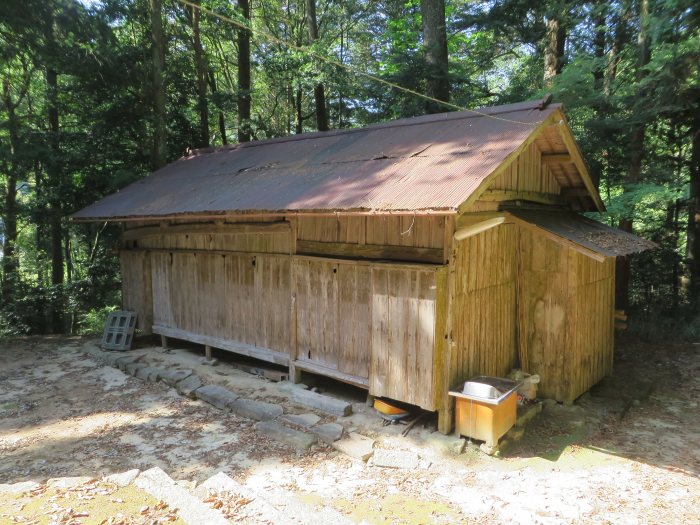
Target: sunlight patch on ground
x=396 y=509
x=92 y=502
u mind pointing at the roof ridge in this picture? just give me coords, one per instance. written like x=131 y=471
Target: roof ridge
x=406 y=121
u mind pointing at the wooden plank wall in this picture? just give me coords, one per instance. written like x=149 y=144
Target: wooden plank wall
x=136 y=287
x=237 y=297
x=261 y=243
x=333 y=314
x=590 y=331
x=386 y=230
x=543 y=311
x=403 y=334
x=483 y=305
x=365 y=319
x=527 y=174
x=566 y=318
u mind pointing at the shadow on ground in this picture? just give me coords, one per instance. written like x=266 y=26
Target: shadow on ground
x=646 y=412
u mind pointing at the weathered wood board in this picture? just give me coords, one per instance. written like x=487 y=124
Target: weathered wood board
x=483 y=305
x=567 y=316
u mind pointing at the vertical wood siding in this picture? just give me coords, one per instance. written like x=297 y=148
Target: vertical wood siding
x=333 y=314
x=527 y=173
x=369 y=320
x=590 y=333
x=566 y=319
x=262 y=243
x=403 y=334
x=387 y=230
x=483 y=305
x=236 y=297
x=544 y=311
x=136 y=287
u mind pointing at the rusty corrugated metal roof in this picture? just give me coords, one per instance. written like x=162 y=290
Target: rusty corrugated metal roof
x=429 y=163
x=585 y=232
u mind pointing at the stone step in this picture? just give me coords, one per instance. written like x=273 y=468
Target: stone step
x=288 y=504
x=294 y=438
x=191 y=510
x=327 y=404
x=258 y=510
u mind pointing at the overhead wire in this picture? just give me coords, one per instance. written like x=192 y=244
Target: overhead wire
x=310 y=52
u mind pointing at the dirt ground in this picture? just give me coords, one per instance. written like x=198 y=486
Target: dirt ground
x=602 y=460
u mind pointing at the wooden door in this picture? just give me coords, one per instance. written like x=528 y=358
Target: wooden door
x=333 y=306
x=403 y=334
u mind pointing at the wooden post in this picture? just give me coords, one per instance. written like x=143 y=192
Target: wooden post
x=164 y=342
x=444 y=372
x=294 y=373
x=147 y=320
x=207 y=352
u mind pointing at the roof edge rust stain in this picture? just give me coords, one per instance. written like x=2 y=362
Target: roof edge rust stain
x=426 y=164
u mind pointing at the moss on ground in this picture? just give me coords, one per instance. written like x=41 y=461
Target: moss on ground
x=395 y=509
x=91 y=503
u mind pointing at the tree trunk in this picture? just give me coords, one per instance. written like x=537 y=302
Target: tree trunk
x=55 y=211
x=435 y=43
x=319 y=91
x=635 y=156
x=201 y=71
x=599 y=8
x=692 y=255
x=243 y=97
x=555 y=45
x=300 y=117
x=340 y=91
x=601 y=103
x=222 y=120
x=9 y=259
x=159 y=155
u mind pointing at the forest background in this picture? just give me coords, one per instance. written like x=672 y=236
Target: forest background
x=97 y=94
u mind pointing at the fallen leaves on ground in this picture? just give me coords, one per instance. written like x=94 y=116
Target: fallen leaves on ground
x=228 y=503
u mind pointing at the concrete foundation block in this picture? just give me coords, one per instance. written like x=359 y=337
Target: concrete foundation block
x=253 y=409
x=293 y=438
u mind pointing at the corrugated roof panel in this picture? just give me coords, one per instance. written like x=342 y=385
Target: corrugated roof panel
x=585 y=232
x=434 y=162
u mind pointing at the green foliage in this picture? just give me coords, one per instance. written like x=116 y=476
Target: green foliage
x=101 y=55
x=93 y=321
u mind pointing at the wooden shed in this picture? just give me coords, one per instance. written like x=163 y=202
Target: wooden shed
x=402 y=257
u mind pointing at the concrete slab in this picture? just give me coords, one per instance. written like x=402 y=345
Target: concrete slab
x=122 y=479
x=108 y=358
x=171 y=377
x=329 y=433
x=133 y=368
x=356 y=446
x=187 y=386
x=192 y=511
x=18 y=488
x=217 y=396
x=122 y=361
x=401 y=459
x=527 y=414
x=258 y=410
x=258 y=510
x=303 y=420
x=68 y=482
x=148 y=373
x=329 y=405
x=289 y=436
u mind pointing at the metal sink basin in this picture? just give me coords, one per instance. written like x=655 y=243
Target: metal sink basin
x=487 y=389
x=480 y=390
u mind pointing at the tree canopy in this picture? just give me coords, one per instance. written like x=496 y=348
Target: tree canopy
x=97 y=93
